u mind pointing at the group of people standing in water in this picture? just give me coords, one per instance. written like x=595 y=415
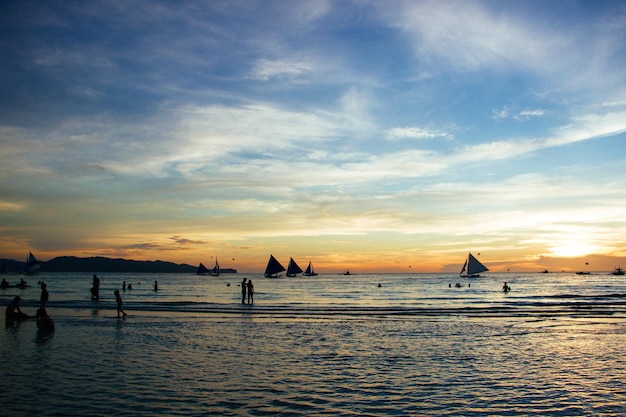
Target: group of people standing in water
x=247 y=289
x=13 y=311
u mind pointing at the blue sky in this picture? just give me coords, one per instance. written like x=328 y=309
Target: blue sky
x=369 y=135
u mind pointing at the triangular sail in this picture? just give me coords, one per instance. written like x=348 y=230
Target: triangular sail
x=32 y=264
x=202 y=269
x=474 y=266
x=309 y=271
x=216 y=269
x=293 y=268
x=273 y=267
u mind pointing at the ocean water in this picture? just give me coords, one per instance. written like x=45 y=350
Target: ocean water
x=327 y=345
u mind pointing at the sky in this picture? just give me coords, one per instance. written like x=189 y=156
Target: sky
x=375 y=136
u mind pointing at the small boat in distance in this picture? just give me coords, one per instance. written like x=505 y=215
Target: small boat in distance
x=202 y=270
x=32 y=264
x=273 y=268
x=618 y=271
x=216 y=269
x=293 y=269
x=472 y=267
x=347 y=272
x=309 y=271
x=582 y=273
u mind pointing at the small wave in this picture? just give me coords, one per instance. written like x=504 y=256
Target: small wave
x=516 y=309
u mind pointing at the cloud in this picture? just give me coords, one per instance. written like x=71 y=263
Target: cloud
x=264 y=69
x=500 y=114
x=415 y=133
x=581 y=128
x=10 y=206
x=470 y=36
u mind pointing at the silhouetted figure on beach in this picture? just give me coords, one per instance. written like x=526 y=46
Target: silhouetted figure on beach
x=505 y=287
x=250 y=292
x=118 y=300
x=43 y=300
x=95 y=288
x=13 y=311
x=156 y=286
x=44 y=321
x=244 y=288
x=124 y=286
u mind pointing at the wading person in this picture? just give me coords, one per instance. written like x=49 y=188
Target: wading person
x=118 y=300
x=244 y=287
x=95 y=288
x=250 y=292
x=43 y=300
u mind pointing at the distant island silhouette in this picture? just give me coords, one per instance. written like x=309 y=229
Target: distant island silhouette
x=100 y=264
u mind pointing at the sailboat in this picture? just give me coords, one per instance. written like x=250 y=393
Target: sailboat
x=216 y=269
x=293 y=269
x=472 y=267
x=32 y=264
x=273 y=268
x=309 y=272
x=202 y=270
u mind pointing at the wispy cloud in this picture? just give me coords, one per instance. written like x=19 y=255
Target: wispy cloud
x=416 y=133
x=264 y=69
x=435 y=124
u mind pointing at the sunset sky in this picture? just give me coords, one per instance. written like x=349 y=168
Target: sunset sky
x=376 y=136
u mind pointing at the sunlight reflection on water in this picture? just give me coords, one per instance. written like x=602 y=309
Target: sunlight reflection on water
x=415 y=348
x=234 y=366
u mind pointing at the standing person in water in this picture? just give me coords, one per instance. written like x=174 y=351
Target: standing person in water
x=156 y=286
x=118 y=300
x=43 y=300
x=95 y=288
x=250 y=292
x=244 y=287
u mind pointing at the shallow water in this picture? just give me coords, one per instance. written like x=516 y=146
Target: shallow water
x=330 y=345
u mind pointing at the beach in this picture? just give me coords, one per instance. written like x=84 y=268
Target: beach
x=327 y=345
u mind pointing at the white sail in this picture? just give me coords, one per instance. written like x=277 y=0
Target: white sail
x=32 y=264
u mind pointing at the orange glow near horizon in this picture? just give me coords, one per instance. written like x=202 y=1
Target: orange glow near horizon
x=255 y=260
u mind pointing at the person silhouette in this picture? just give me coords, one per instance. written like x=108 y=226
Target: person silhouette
x=13 y=311
x=43 y=300
x=44 y=321
x=118 y=300
x=250 y=292
x=244 y=287
x=95 y=288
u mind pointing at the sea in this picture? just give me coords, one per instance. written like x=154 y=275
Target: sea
x=328 y=345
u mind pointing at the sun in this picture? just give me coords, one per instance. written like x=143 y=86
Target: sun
x=572 y=249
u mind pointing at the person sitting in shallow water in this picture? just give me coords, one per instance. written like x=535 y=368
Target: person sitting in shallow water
x=44 y=321
x=13 y=311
